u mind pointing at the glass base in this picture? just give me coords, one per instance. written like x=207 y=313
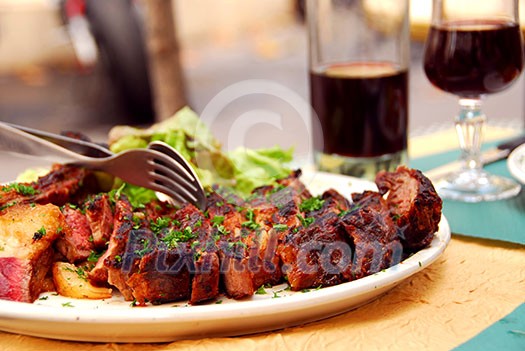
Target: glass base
x=362 y=167
x=476 y=186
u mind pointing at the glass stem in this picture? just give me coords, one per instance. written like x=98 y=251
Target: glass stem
x=469 y=127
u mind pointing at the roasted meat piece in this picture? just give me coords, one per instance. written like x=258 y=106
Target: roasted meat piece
x=74 y=242
x=414 y=205
x=61 y=185
x=260 y=240
x=226 y=231
x=317 y=252
x=173 y=259
x=201 y=245
x=115 y=261
x=27 y=233
x=160 y=274
x=372 y=233
x=157 y=287
x=100 y=218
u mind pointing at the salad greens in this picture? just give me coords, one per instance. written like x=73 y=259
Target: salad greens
x=241 y=170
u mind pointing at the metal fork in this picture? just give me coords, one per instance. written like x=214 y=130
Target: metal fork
x=149 y=168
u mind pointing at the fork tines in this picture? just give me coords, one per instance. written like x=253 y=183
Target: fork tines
x=174 y=176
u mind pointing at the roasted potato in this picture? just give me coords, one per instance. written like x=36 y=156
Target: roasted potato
x=71 y=281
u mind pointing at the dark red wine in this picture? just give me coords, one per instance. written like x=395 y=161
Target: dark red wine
x=470 y=58
x=362 y=108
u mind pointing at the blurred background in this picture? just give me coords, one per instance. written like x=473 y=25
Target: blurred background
x=53 y=77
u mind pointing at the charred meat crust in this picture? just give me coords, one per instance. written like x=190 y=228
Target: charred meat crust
x=414 y=205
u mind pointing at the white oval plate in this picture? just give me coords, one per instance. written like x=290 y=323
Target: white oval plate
x=114 y=320
x=516 y=163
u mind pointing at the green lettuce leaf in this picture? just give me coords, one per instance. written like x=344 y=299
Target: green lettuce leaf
x=254 y=168
x=242 y=169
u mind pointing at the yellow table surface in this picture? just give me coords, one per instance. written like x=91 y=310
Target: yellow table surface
x=472 y=285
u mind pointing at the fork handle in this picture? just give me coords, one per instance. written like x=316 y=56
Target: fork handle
x=22 y=143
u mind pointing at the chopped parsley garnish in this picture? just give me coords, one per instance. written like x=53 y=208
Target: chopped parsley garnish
x=261 y=291
x=217 y=220
x=159 y=224
x=93 y=256
x=305 y=221
x=233 y=244
x=137 y=222
x=81 y=273
x=20 y=188
x=174 y=237
x=195 y=244
x=250 y=223
x=67 y=304
x=311 y=204
x=145 y=248
x=7 y=205
x=280 y=227
x=39 y=234
x=354 y=207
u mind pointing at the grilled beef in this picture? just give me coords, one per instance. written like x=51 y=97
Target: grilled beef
x=26 y=254
x=201 y=246
x=116 y=261
x=317 y=252
x=174 y=261
x=161 y=253
x=75 y=242
x=414 y=205
x=100 y=218
x=61 y=185
x=372 y=233
x=260 y=240
x=226 y=229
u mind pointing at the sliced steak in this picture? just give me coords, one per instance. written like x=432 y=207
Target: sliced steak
x=100 y=218
x=75 y=242
x=61 y=185
x=201 y=245
x=372 y=233
x=111 y=267
x=414 y=205
x=27 y=234
x=226 y=230
x=159 y=276
x=317 y=252
x=260 y=241
x=174 y=258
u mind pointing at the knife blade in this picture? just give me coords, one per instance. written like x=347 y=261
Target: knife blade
x=82 y=147
x=500 y=152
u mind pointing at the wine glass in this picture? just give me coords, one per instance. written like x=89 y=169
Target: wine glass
x=473 y=48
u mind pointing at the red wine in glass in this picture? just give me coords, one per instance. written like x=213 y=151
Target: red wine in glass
x=470 y=58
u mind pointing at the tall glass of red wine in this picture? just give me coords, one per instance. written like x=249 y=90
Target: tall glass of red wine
x=473 y=48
